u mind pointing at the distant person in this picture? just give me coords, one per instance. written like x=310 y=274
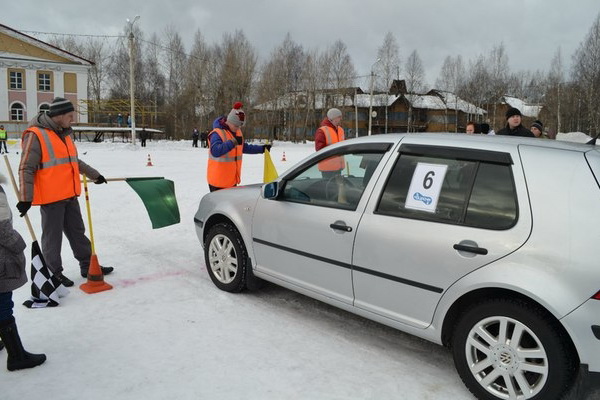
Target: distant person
x=3 y=138
x=195 y=136
x=537 y=128
x=128 y=121
x=227 y=145
x=12 y=277
x=204 y=139
x=328 y=133
x=513 y=125
x=470 y=129
x=485 y=129
x=143 y=136
x=49 y=177
x=120 y=120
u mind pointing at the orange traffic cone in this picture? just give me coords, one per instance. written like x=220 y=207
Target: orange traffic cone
x=283 y=158
x=149 y=163
x=95 y=280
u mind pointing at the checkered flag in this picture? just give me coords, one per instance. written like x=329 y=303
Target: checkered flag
x=46 y=289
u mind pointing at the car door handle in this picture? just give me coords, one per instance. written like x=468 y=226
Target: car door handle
x=339 y=227
x=470 y=249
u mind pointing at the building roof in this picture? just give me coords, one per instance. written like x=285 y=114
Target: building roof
x=528 y=110
x=363 y=100
x=453 y=102
x=35 y=49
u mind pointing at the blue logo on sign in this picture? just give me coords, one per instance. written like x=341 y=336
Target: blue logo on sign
x=425 y=199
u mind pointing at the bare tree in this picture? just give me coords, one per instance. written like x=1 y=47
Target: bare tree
x=586 y=72
x=234 y=61
x=342 y=69
x=451 y=79
x=554 y=82
x=388 y=68
x=155 y=82
x=176 y=61
x=196 y=83
x=415 y=76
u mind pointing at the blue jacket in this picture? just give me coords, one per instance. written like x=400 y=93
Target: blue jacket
x=218 y=147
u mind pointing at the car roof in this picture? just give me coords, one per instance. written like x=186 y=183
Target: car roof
x=461 y=138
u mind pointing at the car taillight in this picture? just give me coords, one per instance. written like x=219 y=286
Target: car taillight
x=596 y=296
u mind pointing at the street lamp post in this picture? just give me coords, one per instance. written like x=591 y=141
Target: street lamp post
x=371 y=97
x=132 y=76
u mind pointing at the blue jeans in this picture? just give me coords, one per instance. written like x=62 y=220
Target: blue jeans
x=6 y=306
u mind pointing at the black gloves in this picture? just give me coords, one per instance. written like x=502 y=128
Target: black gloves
x=100 y=180
x=239 y=139
x=267 y=147
x=23 y=207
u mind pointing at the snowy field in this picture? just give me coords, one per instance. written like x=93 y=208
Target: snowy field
x=166 y=332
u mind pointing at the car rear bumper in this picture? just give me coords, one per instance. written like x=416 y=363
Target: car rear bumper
x=582 y=326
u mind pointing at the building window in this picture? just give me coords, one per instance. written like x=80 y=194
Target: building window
x=16 y=80
x=44 y=107
x=44 y=82
x=17 y=112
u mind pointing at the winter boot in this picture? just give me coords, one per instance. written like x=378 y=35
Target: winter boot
x=1 y=345
x=18 y=358
x=105 y=271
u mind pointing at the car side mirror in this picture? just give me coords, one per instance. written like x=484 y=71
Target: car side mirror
x=270 y=190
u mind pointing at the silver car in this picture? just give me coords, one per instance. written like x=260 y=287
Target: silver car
x=483 y=244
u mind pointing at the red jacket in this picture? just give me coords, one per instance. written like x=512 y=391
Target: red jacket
x=320 y=141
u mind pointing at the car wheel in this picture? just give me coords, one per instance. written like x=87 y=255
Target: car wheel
x=226 y=257
x=509 y=349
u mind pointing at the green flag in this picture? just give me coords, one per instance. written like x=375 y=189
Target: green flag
x=159 y=199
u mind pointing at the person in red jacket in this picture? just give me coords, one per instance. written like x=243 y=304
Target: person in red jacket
x=330 y=132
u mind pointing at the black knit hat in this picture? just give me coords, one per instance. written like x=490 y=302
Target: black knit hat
x=538 y=124
x=512 y=111
x=60 y=106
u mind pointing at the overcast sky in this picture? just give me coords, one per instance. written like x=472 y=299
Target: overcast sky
x=531 y=30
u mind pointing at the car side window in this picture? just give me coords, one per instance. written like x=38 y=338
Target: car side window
x=447 y=190
x=338 y=181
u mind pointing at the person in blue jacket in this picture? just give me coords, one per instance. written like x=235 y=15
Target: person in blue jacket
x=226 y=146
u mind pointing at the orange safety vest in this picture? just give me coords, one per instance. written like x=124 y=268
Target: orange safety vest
x=57 y=176
x=225 y=171
x=331 y=137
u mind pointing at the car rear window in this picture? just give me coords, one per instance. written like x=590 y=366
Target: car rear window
x=464 y=192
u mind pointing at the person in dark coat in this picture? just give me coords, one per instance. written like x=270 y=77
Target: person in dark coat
x=195 y=136
x=143 y=136
x=204 y=139
x=12 y=276
x=514 y=127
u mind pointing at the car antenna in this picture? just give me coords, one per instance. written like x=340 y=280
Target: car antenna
x=593 y=140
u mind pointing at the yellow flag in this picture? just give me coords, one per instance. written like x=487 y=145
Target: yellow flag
x=270 y=173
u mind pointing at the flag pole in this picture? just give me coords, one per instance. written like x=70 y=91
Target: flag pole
x=14 y=184
x=132 y=178
x=89 y=213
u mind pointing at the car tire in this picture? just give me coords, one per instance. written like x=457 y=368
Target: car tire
x=226 y=258
x=510 y=349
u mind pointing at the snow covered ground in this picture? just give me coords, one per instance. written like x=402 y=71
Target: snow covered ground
x=166 y=332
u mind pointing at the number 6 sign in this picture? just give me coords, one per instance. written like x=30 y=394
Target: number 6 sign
x=425 y=187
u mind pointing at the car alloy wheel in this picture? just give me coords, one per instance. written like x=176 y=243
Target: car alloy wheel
x=222 y=259
x=510 y=349
x=506 y=358
x=226 y=257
